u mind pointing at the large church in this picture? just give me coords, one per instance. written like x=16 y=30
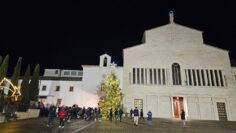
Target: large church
x=172 y=70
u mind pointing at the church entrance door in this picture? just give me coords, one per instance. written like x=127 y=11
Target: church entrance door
x=178 y=105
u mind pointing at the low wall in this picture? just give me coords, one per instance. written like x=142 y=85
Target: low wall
x=31 y=113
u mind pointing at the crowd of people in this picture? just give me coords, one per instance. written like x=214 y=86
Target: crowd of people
x=65 y=114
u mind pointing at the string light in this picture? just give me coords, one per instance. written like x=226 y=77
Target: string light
x=15 y=90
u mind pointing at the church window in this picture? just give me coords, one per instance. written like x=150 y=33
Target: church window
x=221 y=78
x=203 y=78
x=212 y=78
x=198 y=78
x=164 y=76
x=176 y=75
x=142 y=76
x=150 y=72
x=217 y=79
x=208 y=78
x=189 y=77
x=105 y=62
x=134 y=76
x=194 y=78
x=155 y=76
x=159 y=76
x=138 y=77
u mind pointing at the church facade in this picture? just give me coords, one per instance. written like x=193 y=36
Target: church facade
x=173 y=70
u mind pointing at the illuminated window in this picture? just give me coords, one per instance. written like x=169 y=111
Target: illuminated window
x=138 y=103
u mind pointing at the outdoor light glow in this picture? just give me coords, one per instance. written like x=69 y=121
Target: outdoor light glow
x=15 y=92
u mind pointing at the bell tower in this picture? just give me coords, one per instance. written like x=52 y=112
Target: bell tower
x=105 y=60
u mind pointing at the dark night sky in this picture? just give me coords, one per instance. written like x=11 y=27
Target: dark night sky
x=66 y=35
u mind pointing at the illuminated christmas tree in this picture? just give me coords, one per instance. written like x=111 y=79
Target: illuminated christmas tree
x=110 y=95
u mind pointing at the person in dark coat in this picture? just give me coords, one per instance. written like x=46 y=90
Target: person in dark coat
x=120 y=113
x=183 y=118
x=51 y=114
x=149 y=118
x=131 y=113
x=110 y=115
x=116 y=115
x=141 y=115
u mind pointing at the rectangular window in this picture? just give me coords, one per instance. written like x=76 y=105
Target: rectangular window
x=198 y=78
x=221 y=78
x=138 y=103
x=134 y=76
x=150 y=72
x=57 y=88
x=203 y=78
x=212 y=78
x=194 y=78
x=142 y=76
x=71 y=89
x=208 y=78
x=163 y=76
x=189 y=77
x=138 y=77
x=145 y=75
x=73 y=73
x=44 y=88
x=66 y=73
x=217 y=79
x=159 y=76
x=155 y=76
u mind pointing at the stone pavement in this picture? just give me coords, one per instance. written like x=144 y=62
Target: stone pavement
x=162 y=126
x=38 y=125
x=80 y=126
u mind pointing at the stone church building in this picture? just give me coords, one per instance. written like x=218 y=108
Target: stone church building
x=174 y=70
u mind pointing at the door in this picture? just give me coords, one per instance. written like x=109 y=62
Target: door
x=178 y=106
x=221 y=111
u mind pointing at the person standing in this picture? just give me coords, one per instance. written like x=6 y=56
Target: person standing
x=120 y=113
x=62 y=115
x=141 y=114
x=131 y=113
x=110 y=115
x=149 y=118
x=51 y=114
x=136 y=116
x=183 y=118
x=116 y=116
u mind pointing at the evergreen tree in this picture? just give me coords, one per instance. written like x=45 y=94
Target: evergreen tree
x=25 y=90
x=34 y=84
x=110 y=95
x=3 y=73
x=16 y=74
x=0 y=60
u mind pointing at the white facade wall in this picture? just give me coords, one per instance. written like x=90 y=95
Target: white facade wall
x=170 y=44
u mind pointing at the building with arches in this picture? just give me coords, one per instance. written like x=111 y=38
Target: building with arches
x=174 y=70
